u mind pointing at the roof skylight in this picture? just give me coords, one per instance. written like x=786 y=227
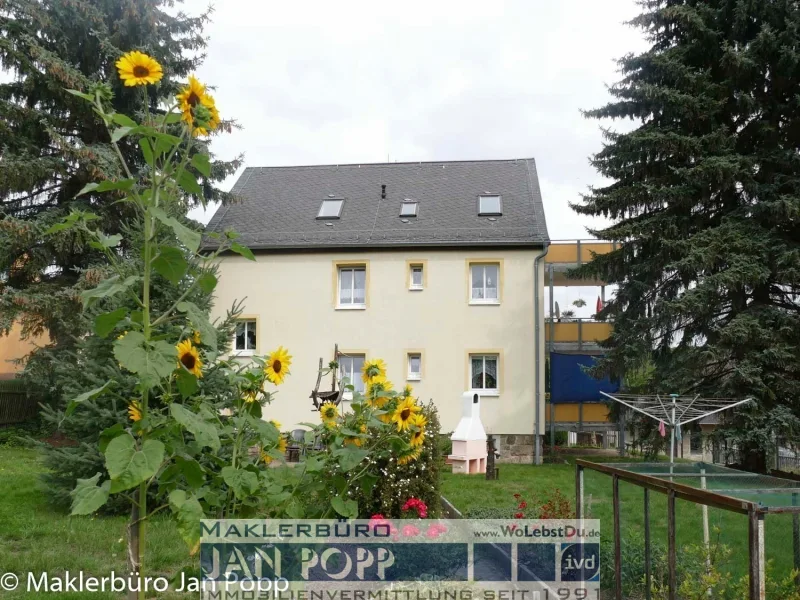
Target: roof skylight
x=408 y=208
x=490 y=204
x=331 y=208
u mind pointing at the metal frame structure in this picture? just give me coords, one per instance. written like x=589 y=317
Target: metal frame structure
x=664 y=483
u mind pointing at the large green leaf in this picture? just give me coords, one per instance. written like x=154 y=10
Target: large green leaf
x=242 y=482
x=200 y=322
x=350 y=457
x=207 y=282
x=188 y=237
x=345 y=507
x=243 y=250
x=107 y=288
x=147 y=150
x=267 y=432
x=205 y=433
x=151 y=362
x=120 y=132
x=73 y=404
x=105 y=323
x=187 y=383
x=124 y=120
x=192 y=471
x=87 y=496
x=170 y=264
x=188 y=513
x=189 y=184
x=201 y=163
x=129 y=466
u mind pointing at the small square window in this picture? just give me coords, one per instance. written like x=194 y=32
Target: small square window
x=245 y=339
x=330 y=208
x=350 y=368
x=352 y=287
x=484 y=283
x=414 y=366
x=416 y=277
x=490 y=205
x=483 y=372
x=408 y=209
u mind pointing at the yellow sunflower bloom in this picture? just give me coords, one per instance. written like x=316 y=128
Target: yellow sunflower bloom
x=408 y=391
x=276 y=424
x=281 y=447
x=404 y=413
x=249 y=397
x=409 y=456
x=193 y=100
x=373 y=368
x=418 y=437
x=196 y=339
x=189 y=358
x=134 y=411
x=377 y=385
x=328 y=412
x=136 y=68
x=278 y=364
x=355 y=440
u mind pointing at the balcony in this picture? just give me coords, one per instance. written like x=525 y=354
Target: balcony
x=576 y=335
x=564 y=255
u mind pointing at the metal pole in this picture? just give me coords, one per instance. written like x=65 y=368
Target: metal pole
x=617 y=539
x=796 y=538
x=647 y=575
x=539 y=358
x=706 y=537
x=673 y=583
x=756 y=544
x=552 y=428
x=579 y=510
x=672 y=439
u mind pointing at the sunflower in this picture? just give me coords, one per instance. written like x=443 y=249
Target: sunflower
x=249 y=397
x=134 y=411
x=196 y=339
x=355 y=440
x=328 y=413
x=276 y=424
x=373 y=368
x=278 y=364
x=404 y=413
x=377 y=385
x=409 y=455
x=198 y=107
x=418 y=436
x=189 y=358
x=136 y=68
x=408 y=391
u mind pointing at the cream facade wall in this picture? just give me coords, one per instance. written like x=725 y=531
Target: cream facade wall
x=292 y=298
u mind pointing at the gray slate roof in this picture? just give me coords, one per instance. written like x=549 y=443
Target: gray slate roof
x=278 y=205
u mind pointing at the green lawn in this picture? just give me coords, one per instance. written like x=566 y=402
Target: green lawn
x=36 y=538
x=467 y=492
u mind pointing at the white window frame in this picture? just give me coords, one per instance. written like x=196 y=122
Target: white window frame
x=484 y=300
x=248 y=323
x=410 y=375
x=322 y=206
x=354 y=377
x=484 y=390
x=352 y=305
x=487 y=213
x=406 y=203
x=413 y=267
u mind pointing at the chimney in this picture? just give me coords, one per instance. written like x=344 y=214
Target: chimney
x=383 y=191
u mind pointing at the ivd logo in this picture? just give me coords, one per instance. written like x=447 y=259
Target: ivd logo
x=580 y=562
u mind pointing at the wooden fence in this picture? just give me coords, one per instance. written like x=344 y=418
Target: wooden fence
x=16 y=404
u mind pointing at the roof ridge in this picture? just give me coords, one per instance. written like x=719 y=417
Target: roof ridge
x=389 y=164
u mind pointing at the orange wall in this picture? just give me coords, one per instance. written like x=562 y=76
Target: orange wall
x=568 y=252
x=568 y=332
x=12 y=347
x=570 y=413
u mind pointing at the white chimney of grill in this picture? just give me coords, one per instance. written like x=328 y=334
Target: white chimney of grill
x=469 y=438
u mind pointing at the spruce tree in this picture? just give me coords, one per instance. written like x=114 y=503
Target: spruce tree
x=704 y=198
x=52 y=145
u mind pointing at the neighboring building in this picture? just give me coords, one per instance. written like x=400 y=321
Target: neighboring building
x=430 y=266
x=13 y=348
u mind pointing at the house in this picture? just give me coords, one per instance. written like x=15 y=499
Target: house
x=435 y=267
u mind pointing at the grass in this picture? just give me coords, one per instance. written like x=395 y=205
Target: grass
x=467 y=492
x=36 y=538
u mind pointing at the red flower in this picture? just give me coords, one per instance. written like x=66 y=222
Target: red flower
x=519 y=516
x=410 y=531
x=517 y=496
x=378 y=517
x=417 y=505
x=523 y=505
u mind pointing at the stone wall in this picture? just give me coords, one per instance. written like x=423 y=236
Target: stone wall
x=515 y=448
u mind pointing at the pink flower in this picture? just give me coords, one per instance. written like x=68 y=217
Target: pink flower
x=519 y=516
x=435 y=530
x=417 y=505
x=410 y=531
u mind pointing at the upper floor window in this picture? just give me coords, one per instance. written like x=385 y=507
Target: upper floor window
x=484 y=283
x=245 y=339
x=350 y=368
x=483 y=372
x=352 y=287
x=331 y=208
x=416 y=277
x=490 y=205
x=414 y=366
x=408 y=209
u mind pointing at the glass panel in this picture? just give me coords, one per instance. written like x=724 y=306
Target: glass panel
x=414 y=364
x=345 y=286
x=330 y=208
x=408 y=209
x=491 y=373
x=489 y=205
x=251 y=335
x=360 y=286
x=477 y=282
x=477 y=373
x=240 y=327
x=491 y=276
x=416 y=276
x=358 y=365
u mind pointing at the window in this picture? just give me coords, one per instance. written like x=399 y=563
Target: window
x=350 y=368
x=416 y=280
x=490 y=205
x=408 y=209
x=352 y=287
x=483 y=372
x=245 y=337
x=484 y=279
x=414 y=366
x=330 y=209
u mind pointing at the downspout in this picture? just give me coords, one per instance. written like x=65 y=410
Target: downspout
x=537 y=441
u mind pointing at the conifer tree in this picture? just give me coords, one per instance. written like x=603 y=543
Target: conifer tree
x=704 y=198
x=50 y=149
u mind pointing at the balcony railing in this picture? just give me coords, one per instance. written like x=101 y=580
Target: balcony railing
x=581 y=332
x=576 y=252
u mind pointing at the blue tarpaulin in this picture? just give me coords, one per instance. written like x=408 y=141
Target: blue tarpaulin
x=568 y=382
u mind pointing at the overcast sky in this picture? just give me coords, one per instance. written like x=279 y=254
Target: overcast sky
x=356 y=82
